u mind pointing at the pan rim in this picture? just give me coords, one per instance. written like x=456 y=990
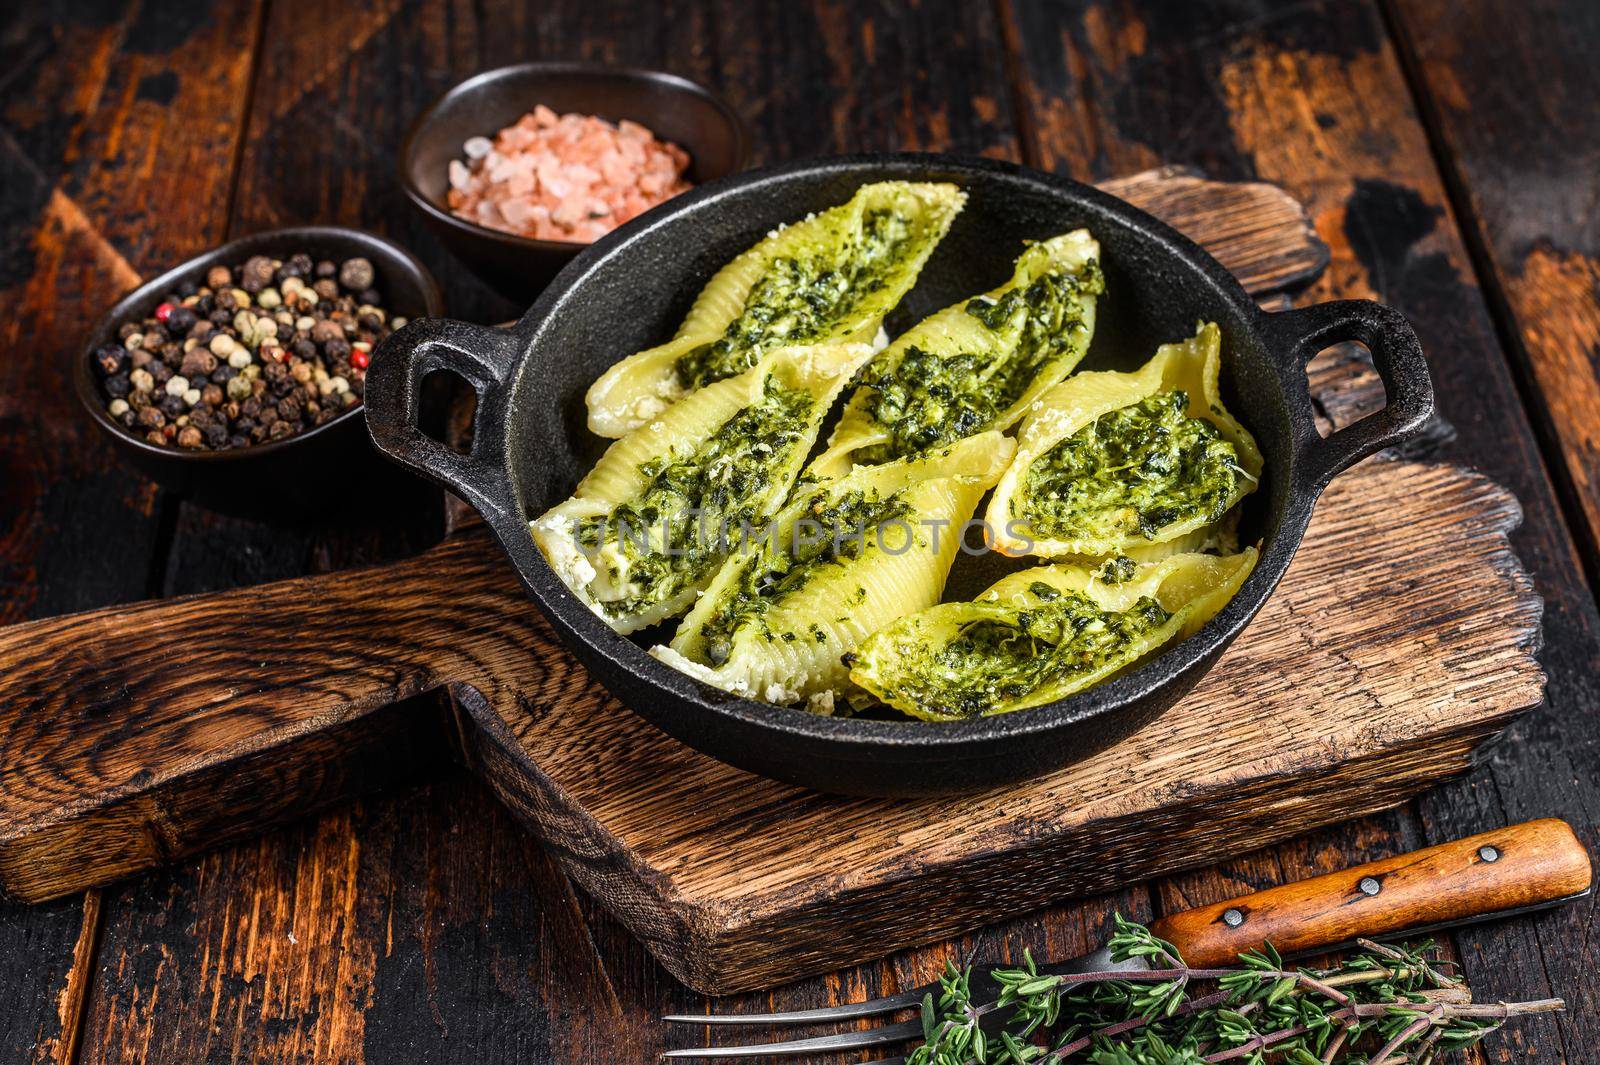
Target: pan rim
x=845 y=736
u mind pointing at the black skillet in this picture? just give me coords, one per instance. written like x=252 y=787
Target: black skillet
x=631 y=289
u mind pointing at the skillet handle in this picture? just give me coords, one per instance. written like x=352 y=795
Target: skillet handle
x=482 y=356
x=1296 y=336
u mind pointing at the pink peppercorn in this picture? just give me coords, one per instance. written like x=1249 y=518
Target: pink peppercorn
x=163 y=311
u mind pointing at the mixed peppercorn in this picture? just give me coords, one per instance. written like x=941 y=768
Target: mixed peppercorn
x=251 y=354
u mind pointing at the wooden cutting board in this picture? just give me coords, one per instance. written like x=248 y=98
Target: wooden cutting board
x=1401 y=639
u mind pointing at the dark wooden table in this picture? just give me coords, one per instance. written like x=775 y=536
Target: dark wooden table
x=1447 y=151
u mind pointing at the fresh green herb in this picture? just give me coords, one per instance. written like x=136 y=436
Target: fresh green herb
x=802 y=299
x=924 y=400
x=687 y=519
x=1382 y=1006
x=1134 y=470
x=1011 y=653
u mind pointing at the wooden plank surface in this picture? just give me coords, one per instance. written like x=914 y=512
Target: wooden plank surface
x=336 y=87
x=1511 y=102
x=1313 y=96
x=471 y=962
x=94 y=108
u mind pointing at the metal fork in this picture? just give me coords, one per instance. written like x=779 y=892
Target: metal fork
x=984 y=989
x=1533 y=866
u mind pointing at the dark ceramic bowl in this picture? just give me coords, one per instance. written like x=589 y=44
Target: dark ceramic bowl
x=631 y=290
x=327 y=469
x=519 y=267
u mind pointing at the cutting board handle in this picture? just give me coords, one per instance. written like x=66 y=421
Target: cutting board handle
x=1504 y=871
x=133 y=735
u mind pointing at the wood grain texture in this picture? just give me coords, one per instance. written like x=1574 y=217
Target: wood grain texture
x=90 y=104
x=471 y=947
x=1313 y=96
x=1510 y=103
x=97 y=787
x=1505 y=869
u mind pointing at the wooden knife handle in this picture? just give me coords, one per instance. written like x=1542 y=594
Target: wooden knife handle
x=1496 y=872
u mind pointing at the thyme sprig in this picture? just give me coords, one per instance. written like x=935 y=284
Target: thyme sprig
x=1382 y=1006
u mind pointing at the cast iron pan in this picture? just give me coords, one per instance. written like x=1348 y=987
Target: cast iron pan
x=630 y=291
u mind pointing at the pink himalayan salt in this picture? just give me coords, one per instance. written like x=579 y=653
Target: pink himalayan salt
x=564 y=177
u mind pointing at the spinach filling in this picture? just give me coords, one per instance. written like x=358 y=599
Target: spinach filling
x=830 y=535
x=996 y=661
x=1137 y=469
x=801 y=299
x=682 y=526
x=926 y=400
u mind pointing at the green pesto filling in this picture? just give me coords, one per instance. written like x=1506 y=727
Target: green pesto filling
x=997 y=661
x=801 y=299
x=831 y=535
x=926 y=400
x=681 y=527
x=1137 y=469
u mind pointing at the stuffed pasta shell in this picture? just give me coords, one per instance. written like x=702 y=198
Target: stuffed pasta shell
x=1043 y=634
x=651 y=524
x=844 y=559
x=975 y=365
x=1112 y=463
x=831 y=277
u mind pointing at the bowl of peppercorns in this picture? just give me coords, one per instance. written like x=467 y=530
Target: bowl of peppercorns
x=237 y=377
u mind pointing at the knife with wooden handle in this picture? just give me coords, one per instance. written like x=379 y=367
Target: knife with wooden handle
x=1532 y=866
x=1512 y=870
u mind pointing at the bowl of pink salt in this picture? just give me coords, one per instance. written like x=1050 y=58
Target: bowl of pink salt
x=519 y=169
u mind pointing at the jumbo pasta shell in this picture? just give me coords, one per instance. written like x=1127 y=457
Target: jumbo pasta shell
x=831 y=277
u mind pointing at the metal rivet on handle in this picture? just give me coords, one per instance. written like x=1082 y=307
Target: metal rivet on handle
x=1232 y=917
x=1369 y=886
x=1488 y=853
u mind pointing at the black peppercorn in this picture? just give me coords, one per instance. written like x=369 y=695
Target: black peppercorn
x=181 y=321
x=216 y=436
x=117 y=386
x=112 y=358
x=326 y=268
x=256 y=274
x=336 y=349
x=152 y=418
x=371 y=297
x=171 y=405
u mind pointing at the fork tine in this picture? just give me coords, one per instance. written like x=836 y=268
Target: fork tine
x=875 y=1037
x=888 y=1004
